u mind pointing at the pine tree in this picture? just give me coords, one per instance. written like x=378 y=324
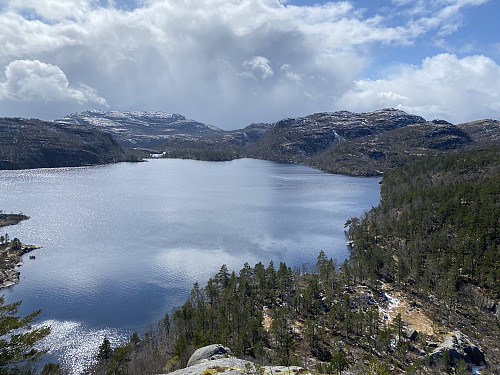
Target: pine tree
x=105 y=351
x=17 y=337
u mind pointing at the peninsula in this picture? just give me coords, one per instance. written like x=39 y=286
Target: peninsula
x=11 y=251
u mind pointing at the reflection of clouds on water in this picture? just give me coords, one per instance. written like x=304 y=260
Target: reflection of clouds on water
x=74 y=346
x=183 y=266
x=124 y=243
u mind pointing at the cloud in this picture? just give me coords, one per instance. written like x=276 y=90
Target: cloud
x=51 y=10
x=260 y=65
x=445 y=16
x=225 y=62
x=35 y=81
x=443 y=86
x=217 y=61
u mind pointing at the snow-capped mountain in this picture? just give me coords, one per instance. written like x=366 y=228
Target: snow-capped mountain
x=143 y=128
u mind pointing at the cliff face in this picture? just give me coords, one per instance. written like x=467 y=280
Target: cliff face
x=31 y=143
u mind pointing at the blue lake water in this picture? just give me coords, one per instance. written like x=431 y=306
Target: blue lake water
x=124 y=243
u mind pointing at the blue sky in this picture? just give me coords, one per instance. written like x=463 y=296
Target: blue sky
x=233 y=62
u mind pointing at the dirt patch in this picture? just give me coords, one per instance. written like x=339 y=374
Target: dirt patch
x=410 y=314
x=266 y=320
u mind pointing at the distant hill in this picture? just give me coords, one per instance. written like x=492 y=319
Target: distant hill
x=369 y=143
x=341 y=142
x=483 y=131
x=31 y=143
x=302 y=139
x=143 y=129
x=371 y=155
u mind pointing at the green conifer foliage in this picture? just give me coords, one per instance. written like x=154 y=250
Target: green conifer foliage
x=17 y=337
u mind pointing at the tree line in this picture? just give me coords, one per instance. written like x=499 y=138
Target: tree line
x=437 y=226
x=435 y=231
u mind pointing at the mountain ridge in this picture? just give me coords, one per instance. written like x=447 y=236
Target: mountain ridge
x=142 y=128
x=33 y=143
x=367 y=144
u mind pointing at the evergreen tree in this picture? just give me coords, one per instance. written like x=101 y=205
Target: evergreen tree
x=119 y=361
x=105 y=351
x=17 y=337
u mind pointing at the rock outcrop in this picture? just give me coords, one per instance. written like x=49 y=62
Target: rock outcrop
x=216 y=359
x=210 y=352
x=480 y=300
x=460 y=347
x=10 y=259
x=11 y=219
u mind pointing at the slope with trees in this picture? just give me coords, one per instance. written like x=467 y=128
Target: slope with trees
x=432 y=245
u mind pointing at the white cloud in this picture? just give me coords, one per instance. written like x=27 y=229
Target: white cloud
x=35 y=81
x=444 y=16
x=260 y=65
x=288 y=72
x=52 y=10
x=444 y=86
x=227 y=62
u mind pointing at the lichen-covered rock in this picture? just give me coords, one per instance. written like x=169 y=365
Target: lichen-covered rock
x=211 y=352
x=236 y=366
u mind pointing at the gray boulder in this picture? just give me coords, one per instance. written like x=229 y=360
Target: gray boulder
x=460 y=347
x=236 y=366
x=412 y=334
x=210 y=352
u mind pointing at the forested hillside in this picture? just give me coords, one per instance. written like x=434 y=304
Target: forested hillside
x=437 y=225
x=32 y=143
x=416 y=296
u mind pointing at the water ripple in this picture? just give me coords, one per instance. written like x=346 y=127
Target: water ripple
x=75 y=346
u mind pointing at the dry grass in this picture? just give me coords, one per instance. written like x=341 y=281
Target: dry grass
x=413 y=316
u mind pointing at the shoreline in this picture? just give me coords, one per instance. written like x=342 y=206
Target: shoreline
x=11 y=219
x=11 y=259
x=11 y=252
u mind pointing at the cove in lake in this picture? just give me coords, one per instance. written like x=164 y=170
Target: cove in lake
x=124 y=243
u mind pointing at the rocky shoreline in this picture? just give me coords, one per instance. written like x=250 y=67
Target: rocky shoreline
x=11 y=251
x=10 y=259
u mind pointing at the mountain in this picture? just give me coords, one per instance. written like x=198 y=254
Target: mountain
x=372 y=155
x=365 y=143
x=242 y=137
x=368 y=144
x=31 y=143
x=484 y=131
x=143 y=129
x=294 y=139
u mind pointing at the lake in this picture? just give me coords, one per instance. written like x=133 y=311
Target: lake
x=124 y=243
